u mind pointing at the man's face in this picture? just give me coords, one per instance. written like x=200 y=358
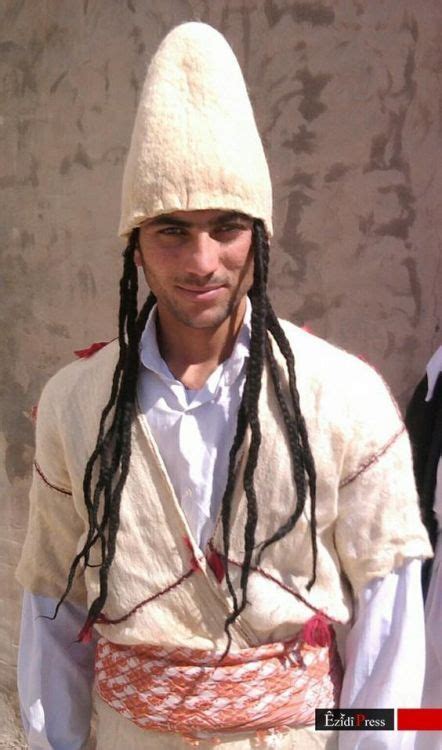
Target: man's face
x=198 y=264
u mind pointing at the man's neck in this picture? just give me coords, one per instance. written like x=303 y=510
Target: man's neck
x=192 y=354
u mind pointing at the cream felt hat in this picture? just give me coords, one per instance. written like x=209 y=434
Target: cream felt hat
x=195 y=144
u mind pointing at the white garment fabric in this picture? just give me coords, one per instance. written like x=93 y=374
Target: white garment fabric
x=432 y=693
x=434 y=368
x=56 y=700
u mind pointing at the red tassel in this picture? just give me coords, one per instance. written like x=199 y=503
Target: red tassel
x=317 y=631
x=34 y=413
x=217 y=565
x=85 y=353
x=85 y=634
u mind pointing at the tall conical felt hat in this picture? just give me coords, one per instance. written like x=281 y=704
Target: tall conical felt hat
x=195 y=143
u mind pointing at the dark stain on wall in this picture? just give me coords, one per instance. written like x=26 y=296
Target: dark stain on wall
x=314 y=13
x=16 y=427
x=137 y=36
x=82 y=157
x=409 y=70
x=312 y=86
x=57 y=329
x=335 y=172
x=13 y=11
x=87 y=282
x=292 y=239
x=415 y=287
x=27 y=239
x=312 y=308
x=304 y=179
x=399 y=226
x=33 y=172
x=279 y=106
x=135 y=85
x=410 y=24
x=65 y=165
x=386 y=147
x=57 y=82
x=302 y=142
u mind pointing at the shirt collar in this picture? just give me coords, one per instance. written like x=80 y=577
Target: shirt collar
x=224 y=375
x=434 y=368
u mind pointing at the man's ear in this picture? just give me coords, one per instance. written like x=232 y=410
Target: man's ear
x=137 y=258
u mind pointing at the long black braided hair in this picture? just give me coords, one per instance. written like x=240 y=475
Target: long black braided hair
x=111 y=455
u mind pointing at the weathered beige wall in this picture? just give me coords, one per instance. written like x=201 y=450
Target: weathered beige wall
x=348 y=98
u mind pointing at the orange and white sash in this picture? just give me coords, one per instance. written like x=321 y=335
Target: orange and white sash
x=193 y=693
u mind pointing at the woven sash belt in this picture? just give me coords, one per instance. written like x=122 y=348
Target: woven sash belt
x=275 y=686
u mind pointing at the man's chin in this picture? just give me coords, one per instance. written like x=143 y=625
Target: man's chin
x=209 y=318
x=203 y=320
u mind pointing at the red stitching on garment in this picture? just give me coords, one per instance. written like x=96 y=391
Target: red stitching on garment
x=372 y=459
x=289 y=590
x=104 y=620
x=46 y=481
x=193 y=560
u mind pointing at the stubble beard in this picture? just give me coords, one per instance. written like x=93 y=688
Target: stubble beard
x=212 y=317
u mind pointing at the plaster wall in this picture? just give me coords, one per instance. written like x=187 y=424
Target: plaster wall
x=348 y=99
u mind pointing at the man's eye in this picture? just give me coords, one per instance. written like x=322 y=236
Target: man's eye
x=173 y=231
x=231 y=227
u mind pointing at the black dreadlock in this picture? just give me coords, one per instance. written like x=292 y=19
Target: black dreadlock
x=112 y=452
x=264 y=321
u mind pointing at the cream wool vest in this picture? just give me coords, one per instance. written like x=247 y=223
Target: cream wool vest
x=367 y=514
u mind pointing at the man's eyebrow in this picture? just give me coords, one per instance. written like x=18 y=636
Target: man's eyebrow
x=229 y=216
x=169 y=220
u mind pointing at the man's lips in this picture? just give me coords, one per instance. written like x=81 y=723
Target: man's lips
x=201 y=291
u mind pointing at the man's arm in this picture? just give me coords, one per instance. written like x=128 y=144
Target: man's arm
x=55 y=675
x=385 y=655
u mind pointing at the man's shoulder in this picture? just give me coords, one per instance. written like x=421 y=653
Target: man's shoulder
x=318 y=352
x=84 y=379
x=333 y=370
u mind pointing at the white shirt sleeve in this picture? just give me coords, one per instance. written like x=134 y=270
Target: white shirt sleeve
x=385 y=656
x=55 y=676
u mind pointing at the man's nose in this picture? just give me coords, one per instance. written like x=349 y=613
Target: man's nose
x=203 y=257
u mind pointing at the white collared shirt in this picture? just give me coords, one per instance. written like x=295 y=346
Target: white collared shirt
x=194 y=429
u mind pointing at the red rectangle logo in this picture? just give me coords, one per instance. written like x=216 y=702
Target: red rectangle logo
x=419 y=718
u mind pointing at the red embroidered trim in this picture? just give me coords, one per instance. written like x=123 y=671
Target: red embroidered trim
x=193 y=560
x=371 y=460
x=46 y=481
x=104 y=620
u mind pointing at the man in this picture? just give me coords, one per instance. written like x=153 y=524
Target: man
x=211 y=511
x=424 y=423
